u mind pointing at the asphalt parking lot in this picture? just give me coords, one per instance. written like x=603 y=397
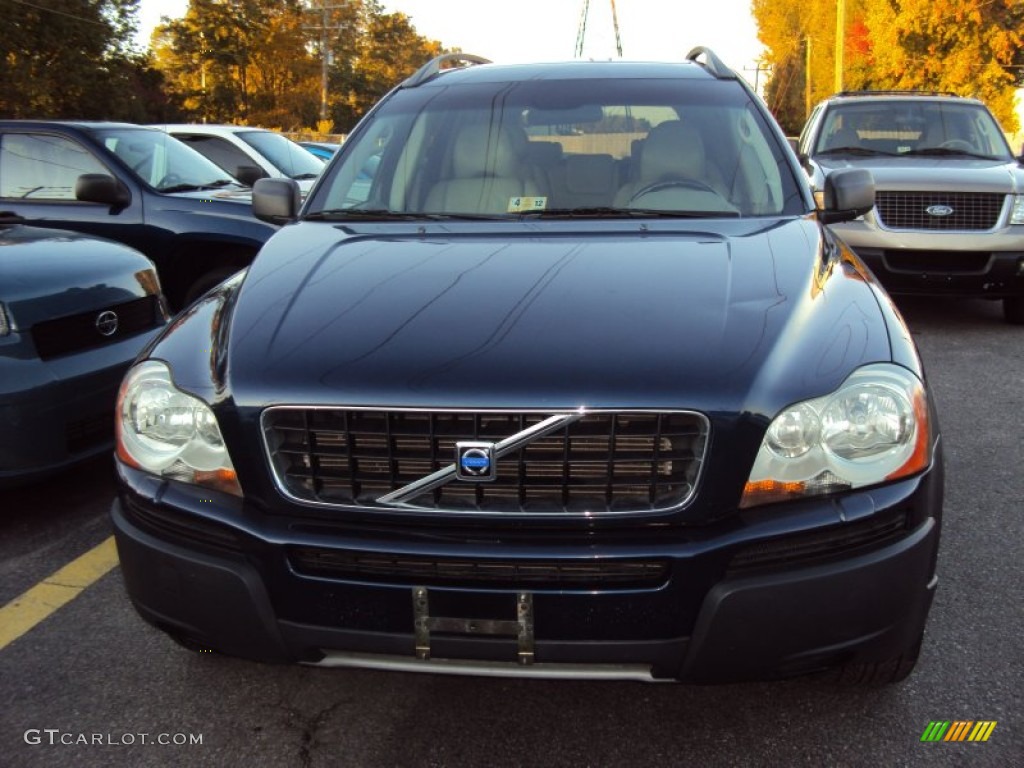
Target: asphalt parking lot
x=93 y=686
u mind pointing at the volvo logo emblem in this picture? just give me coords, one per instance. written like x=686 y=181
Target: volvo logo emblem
x=106 y=323
x=475 y=462
x=939 y=210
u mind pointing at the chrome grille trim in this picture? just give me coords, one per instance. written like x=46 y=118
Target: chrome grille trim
x=971 y=211
x=580 y=463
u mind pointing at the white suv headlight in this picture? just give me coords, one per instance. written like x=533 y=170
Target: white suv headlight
x=162 y=430
x=874 y=429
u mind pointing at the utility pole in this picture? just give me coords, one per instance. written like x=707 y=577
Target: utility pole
x=807 y=79
x=324 y=28
x=840 y=42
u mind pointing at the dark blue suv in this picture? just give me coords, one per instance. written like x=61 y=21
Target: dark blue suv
x=557 y=372
x=135 y=185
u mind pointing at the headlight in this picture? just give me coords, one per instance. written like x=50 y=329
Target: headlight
x=162 y=430
x=874 y=429
x=1017 y=216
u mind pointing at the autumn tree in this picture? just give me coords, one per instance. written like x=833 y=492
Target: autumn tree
x=970 y=47
x=75 y=59
x=259 y=61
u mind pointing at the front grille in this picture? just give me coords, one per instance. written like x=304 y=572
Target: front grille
x=969 y=210
x=494 y=574
x=82 y=434
x=603 y=463
x=75 y=333
x=820 y=546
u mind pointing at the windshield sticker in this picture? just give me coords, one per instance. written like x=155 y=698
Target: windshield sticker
x=521 y=204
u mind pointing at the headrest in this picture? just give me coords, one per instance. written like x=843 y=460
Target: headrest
x=484 y=150
x=672 y=148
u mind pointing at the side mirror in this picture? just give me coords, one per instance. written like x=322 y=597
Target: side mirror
x=848 y=194
x=276 y=200
x=249 y=174
x=101 y=188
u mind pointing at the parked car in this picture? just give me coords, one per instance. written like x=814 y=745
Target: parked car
x=322 y=149
x=74 y=312
x=579 y=385
x=251 y=153
x=135 y=185
x=949 y=209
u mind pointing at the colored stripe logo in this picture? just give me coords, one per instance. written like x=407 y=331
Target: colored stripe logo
x=958 y=730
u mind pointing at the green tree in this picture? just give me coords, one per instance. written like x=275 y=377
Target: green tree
x=75 y=59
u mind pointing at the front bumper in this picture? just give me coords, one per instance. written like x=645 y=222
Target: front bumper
x=737 y=603
x=982 y=264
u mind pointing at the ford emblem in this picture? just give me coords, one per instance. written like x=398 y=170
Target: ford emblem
x=939 y=210
x=106 y=323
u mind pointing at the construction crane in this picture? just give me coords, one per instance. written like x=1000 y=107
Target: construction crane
x=582 y=31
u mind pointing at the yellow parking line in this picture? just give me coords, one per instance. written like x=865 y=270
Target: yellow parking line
x=31 y=607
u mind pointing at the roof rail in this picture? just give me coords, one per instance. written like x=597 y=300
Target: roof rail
x=895 y=92
x=433 y=67
x=711 y=63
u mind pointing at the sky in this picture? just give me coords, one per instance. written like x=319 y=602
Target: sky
x=545 y=30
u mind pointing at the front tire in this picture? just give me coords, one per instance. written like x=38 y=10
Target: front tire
x=1013 y=310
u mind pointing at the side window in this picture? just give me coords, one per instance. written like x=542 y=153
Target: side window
x=219 y=151
x=43 y=167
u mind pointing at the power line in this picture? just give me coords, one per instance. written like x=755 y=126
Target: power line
x=61 y=13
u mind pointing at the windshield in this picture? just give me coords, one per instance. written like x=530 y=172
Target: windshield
x=912 y=127
x=573 y=148
x=285 y=155
x=162 y=161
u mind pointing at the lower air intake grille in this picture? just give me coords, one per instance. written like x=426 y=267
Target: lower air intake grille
x=495 y=574
x=603 y=463
x=821 y=546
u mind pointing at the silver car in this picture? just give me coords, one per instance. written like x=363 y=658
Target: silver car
x=949 y=201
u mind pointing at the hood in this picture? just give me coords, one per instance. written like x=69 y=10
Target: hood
x=644 y=316
x=47 y=273
x=938 y=173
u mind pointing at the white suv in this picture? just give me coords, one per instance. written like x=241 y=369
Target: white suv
x=237 y=147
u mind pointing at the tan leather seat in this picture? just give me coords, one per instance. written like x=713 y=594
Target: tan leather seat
x=487 y=173
x=673 y=151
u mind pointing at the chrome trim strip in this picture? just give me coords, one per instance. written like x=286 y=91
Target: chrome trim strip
x=636 y=672
x=501 y=448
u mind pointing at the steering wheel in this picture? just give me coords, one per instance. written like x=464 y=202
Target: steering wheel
x=658 y=186
x=960 y=144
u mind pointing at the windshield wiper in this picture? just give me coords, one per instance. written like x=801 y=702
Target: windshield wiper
x=383 y=214
x=854 y=151
x=946 y=151
x=304 y=176
x=625 y=213
x=196 y=187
